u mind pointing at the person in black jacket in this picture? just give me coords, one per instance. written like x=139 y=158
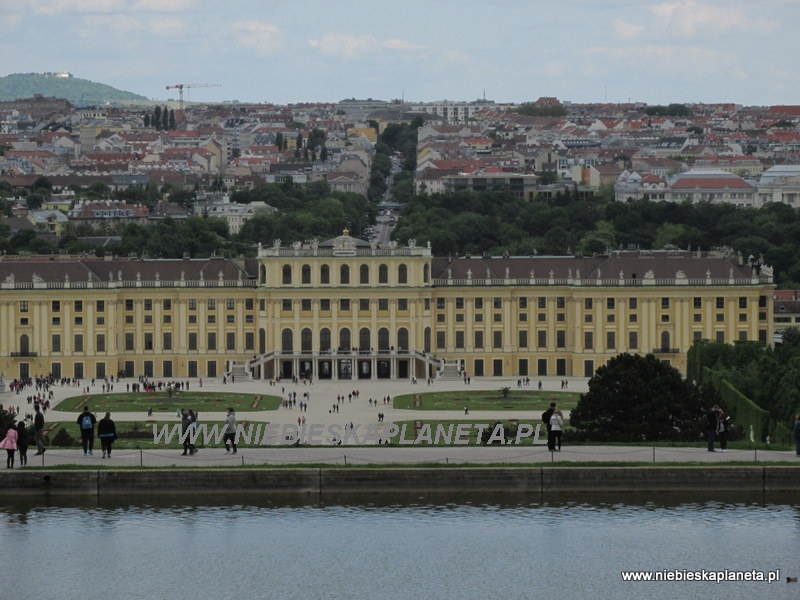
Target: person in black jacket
x=107 y=432
x=546 y=415
x=38 y=430
x=22 y=443
x=86 y=421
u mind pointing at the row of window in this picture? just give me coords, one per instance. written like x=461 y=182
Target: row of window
x=344 y=274
x=148 y=304
x=590 y=303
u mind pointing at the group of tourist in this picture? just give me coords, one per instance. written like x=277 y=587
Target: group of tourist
x=106 y=431
x=16 y=439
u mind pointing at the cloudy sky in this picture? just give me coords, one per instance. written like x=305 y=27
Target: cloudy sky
x=422 y=50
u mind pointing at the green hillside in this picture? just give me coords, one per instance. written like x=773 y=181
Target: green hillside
x=80 y=92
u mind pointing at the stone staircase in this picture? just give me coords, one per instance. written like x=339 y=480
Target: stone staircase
x=449 y=371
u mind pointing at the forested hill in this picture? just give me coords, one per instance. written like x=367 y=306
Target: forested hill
x=79 y=92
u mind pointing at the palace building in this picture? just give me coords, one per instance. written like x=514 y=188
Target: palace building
x=347 y=309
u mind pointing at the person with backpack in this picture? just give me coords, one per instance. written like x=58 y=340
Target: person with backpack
x=86 y=421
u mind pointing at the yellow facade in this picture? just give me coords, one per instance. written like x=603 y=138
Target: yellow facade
x=347 y=309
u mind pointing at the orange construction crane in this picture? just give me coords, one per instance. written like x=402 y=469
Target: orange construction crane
x=180 y=87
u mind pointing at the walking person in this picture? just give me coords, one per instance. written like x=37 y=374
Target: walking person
x=22 y=443
x=723 y=427
x=546 y=416
x=107 y=432
x=38 y=429
x=556 y=427
x=10 y=444
x=86 y=421
x=230 y=430
x=796 y=430
x=712 y=424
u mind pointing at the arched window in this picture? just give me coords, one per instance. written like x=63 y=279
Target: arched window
x=402 y=339
x=383 y=339
x=344 y=275
x=325 y=274
x=262 y=341
x=305 y=340
x=426 y=274
x=263 y=277
x=364 y=339
x=402 y=274
x=287 y=275
x=363 y=275
x=306 y=275
x=287 y=341
x=324 y=339
x=344 y=339
x=383 y=274
x=24 y=345
x=665 y=340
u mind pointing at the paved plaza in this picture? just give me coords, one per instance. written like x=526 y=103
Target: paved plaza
x=322 y=396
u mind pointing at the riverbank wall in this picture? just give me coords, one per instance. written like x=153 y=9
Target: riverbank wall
x=332 y=480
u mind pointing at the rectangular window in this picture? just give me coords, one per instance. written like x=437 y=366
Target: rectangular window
x=383 y=304
x=633 y=340
x=148 y=304
x=192 y=319
x=440 y=318
x=129 y=341
x=262 y=305
x=743 y=302
x=426 y=304
x=230 y=304
x=166 y=340
x=497 y=318
x=78 y=320
x=325 y=305
x=100 y=306
x=611 y=318
x=78 y=305
x=212 y=341
x=561 y=317
x=286 y=304
x=460 y=339
x=305 y=305
x=23 y=306
x=611 y=340
x=665 y=318
x=720 y=317
x=523 y=338
x=100 y=342
x=633 y=318
x=633 y=303
x=587 y=303
x=743 y=336
x=720 y=302
x=212 y=318
x=192 y=304
x=720 y=336
x=230 y=340
x=561 y=338
x=459 y=303
x=541 y=303
x=497 y=303
x=148 y=341
x=55 y=306
x=363 y=304
x=148 y=319
x=192 y=340
x=478 y=335
x=697 y=303
x=588 y=340
x=55 y=342
x=541 y=338
x=479 y=318
x=78 y=343
x=497 y=339
x=611 y=303
x=211 y=304
x=402 y=304
x=440 y=304
x=166 y=318
x=665 y=303
x=523 y=303
x=248 y=304
x=742 y=317
x=166 y=304
x=479 y=303
x=441 y=338
x=249 y=340
x=129 y=304
x=523 y=317
x=561 y=302
x=344 y=304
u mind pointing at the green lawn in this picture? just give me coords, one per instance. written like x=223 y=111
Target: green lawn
x=133 y=434
x=161 y=402
x=411 y=431
x=518 y=399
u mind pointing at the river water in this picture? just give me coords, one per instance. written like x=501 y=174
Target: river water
x=432 y=547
